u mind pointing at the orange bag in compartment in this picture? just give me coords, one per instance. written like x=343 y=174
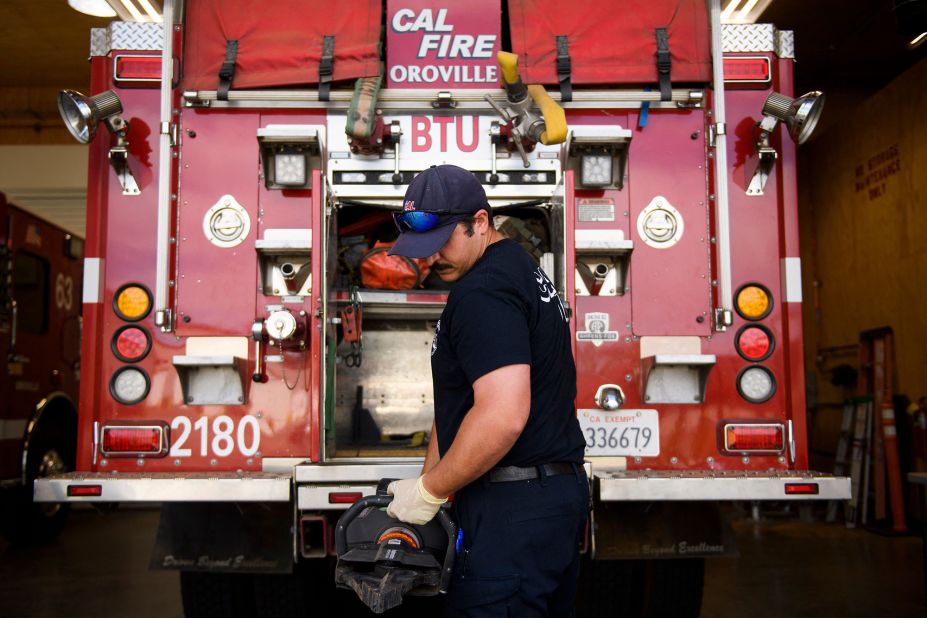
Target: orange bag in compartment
x=391 y=272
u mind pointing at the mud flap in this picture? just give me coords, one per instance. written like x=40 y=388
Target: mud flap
x=654 y=530
x=224 y=538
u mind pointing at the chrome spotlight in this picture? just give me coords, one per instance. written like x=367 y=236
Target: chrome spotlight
x=82 y=115
x=800 y=115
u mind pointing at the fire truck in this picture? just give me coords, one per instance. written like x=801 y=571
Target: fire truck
x=241 y=369
x=40 y=278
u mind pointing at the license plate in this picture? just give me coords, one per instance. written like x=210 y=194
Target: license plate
x=629 y=433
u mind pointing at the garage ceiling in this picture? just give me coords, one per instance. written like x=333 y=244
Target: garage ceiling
x=842 y=45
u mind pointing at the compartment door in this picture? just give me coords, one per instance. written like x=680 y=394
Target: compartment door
x=670 y=268
x=218 y=221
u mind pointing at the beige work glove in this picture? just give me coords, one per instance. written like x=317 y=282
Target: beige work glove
x=411 y=502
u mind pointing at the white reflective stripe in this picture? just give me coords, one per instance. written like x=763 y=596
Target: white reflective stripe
x=166 y=487
x=12 y=429
x=317 y=498
x=93 y=271
x=890 y=431
x=791 y=280
x=888 y=414
x=746 y=485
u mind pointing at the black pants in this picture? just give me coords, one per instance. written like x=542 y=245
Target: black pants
x=519 y=554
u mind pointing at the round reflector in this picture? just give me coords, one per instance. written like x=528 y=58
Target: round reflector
x=756 y=384
x=131 y=344
x=753 y=302
x=754 y=342
x=132 y=302
x=129 y=385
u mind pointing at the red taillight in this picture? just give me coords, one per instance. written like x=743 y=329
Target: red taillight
x=137 y=68
x=344 y=497
x=754 y=342
x=753 y=437
x=746 y=69
x=806 y=489
x=133 y=440
x=131 y=344
x=85 y=490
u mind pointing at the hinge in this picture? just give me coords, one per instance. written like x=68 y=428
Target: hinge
x=723 y=319
x=164 y=320
x=170 y=128
x=714 y=130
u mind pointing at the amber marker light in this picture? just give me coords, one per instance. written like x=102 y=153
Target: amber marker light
x=132 y=302
x=753 y=302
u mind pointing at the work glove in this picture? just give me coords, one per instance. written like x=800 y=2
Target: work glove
x=411 y=501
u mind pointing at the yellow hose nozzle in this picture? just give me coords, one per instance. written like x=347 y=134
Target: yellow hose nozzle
x=554 y=116
x=508 y=65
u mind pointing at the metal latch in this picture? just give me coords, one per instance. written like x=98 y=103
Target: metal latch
x=444 y=100
x=695 y=100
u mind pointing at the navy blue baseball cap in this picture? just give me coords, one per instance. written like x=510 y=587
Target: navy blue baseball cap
x=436 y=200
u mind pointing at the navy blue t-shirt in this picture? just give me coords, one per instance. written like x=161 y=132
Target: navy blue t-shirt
x=505 y=311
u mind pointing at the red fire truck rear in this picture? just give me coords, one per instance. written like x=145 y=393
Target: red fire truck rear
x=256 y=366
x=40 y=277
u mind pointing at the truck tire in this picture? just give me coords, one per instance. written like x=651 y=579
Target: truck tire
x=674 y=587
x=609 y=588
x=217 y=595
x=640 y=588
x=284 y=596
x=23 y=521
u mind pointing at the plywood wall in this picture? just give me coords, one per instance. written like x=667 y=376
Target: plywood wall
x=863 y=203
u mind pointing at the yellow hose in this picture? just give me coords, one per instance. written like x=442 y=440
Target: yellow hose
x=508 y=64
x=554 y=116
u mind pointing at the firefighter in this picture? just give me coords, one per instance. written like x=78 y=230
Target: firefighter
x=506 y=441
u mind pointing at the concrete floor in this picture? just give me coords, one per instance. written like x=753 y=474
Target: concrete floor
x=786 y=568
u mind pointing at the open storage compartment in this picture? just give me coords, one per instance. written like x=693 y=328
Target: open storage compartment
x=380 y=400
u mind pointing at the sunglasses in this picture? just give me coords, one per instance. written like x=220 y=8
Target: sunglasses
x=419 y=221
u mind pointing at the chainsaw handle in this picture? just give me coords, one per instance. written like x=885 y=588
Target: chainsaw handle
x=341 y=529
x=380 y=501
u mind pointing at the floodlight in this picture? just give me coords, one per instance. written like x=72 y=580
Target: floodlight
x=82 y=114
x=599 y=154
x=800 y=115
x=287 y=153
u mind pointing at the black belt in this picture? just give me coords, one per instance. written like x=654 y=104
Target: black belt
x=517 y=473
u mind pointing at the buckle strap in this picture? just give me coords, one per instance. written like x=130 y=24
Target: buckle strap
x=326 y=66
x=564 y=67
x=227 y=71
x=504 y=474
x=664 y=64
